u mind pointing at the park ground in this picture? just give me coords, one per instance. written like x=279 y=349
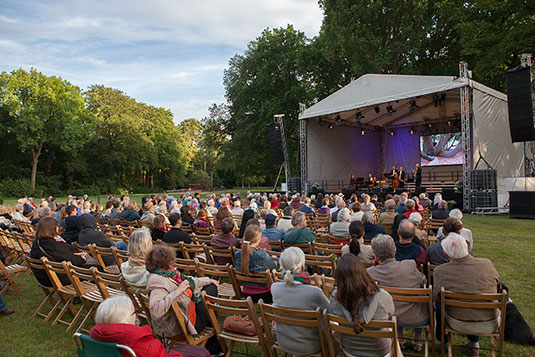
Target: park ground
x=509 y=243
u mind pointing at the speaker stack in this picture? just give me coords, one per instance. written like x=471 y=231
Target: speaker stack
x=520 y=104
x=484 y=188
x=294 y=184
x=275 y=143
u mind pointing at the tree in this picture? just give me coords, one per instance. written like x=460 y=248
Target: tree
x=265 y=80
x=42 y=111
x=213 y=136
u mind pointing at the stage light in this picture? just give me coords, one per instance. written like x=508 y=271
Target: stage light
x=443 y=97
x=413 y=106
x=377 y=110
x=390 y=109
x=450 y=123
x=359 y=117
x=430 y=125
x=392 y=133
x=362 y=132
x=331 y=127
x=411 y=131
x=338 y=118
x=435 y=100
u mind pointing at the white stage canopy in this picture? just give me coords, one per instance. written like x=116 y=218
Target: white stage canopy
x=382 y=103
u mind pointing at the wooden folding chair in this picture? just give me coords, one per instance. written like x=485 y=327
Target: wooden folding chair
x=186 y=266
x=143 y=300
x=305 y=247
x=430 y=273
x=191 y=250
x=200 y=338
x=327 y=284
x=275 y=255
x=327 y=248
x=186 y=228
x=276 y=245
x=202 y=231
x=130 y=290
x=66 y=293
x=86 y=290
x=213 y=253
x=10 y=273
x=100 y=252
x=224 y=308
x=202 y=238
x=35 y=265
x=294 y=317
x=219 y=273
x=337 y=240
x=238 y=278
x=418 y=296
x=375 y=329
x=473 y=301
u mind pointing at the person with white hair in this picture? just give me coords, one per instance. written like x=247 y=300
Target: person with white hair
x=400 y=274
x=340 y=228
x=410 y=205
x=416 y=219
x=116 y=322
x=466 y=274
x=296 y=292
x=367 y=205
x=339 y=201
x=465 y=232
x=237 y=210
x=134 y=270
x=441 y=212
x=436 y=201
x=387 y=217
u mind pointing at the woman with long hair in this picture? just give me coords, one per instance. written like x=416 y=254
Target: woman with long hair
x=247 y=215
x=202 y=219
x=158 y=227
x=222 y=213
x=185 y=213
x=356 y=243
x=252 y=260
x=134 y=270
x=359 y=299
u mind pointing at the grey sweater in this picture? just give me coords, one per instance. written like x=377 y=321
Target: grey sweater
x=298 y=340
x=381 y=307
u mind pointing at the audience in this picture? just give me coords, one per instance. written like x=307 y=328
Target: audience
x=358 y=298
x=131 y=213
x=295 y=292
x=371 y=229
x=134 y=270
x=299 y=234
x=435 y=251
x=89 y=235
x=357 y=212
x=356 y=244
x=406 y=248
x=401 y=274
x=271 y=231
x=441 y=212
x=340 y=227
x=465 y=232
x=285 y=223
x=387 y=217
x=158 y=227
x=225 y=239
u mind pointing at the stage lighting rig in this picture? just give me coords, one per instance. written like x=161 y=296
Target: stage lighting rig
x=436 y=101
x=392 y=133
x=338 y=118
x=362 y=132
x=331 y=127
x=359 y=117
x=413 y=106
x=377 y=110
x=390 y=109
x=411 y=131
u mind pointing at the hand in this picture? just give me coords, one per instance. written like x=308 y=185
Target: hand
x=215 y=282
x=183 y=286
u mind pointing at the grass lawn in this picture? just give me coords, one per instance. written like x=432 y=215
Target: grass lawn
x=510 y=244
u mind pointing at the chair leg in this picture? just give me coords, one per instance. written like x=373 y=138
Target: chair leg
x=75 y=319
x=66 y=306
x=51 y=313
x=40 y=307
x=492 y=347
x=87 y=316
x=450 y=346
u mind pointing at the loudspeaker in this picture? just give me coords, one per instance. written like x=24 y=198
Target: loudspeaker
x=520 y=104
x=521 y=204
x=294 y=184
x=484 y=199
x=483 y=179
x=275 y=143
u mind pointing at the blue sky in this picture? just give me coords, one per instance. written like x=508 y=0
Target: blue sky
x=167 y=53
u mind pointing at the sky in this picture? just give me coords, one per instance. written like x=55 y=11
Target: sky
x=167 y=53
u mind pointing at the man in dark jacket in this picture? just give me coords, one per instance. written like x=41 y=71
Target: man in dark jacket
x=116 y=211
x=175 y=234
x=225 y=239
x=406 y=248
x=72 y=229
x=89 y=235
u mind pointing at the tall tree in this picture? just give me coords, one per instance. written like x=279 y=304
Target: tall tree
x=214 y=137
x=265 y=80
x=42 y=111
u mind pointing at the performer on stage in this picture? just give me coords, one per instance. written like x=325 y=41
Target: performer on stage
x=372 y=180
x=353 y=182
x=401 y=177
x=418 y=175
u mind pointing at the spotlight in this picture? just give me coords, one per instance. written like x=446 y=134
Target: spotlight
x=443 y=96
x=392 y=133
x=359 y=117
x=413 y=106
x=435 y=101
x=377 y=110
x=390 y=109
x=411 y=131
x=430 y=125
x=450 y=123
x=362 y=132
x=338 y=118
x=331 y=127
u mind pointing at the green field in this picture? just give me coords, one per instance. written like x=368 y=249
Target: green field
x=510 y=244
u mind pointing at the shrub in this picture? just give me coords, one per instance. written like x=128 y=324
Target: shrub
x=15 y=188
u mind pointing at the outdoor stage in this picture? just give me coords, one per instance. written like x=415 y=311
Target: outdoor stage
x=377 y=121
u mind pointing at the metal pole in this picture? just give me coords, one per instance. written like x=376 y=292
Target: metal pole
x=303 y=151
x=466 y=129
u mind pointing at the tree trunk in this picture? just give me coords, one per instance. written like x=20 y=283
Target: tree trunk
x=35 y=159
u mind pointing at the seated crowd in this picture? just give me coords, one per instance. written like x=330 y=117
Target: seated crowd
x=252 y=227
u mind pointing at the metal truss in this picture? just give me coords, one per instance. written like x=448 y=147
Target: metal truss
x=466 y=130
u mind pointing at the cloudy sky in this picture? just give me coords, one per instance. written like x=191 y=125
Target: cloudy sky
x=168 y=53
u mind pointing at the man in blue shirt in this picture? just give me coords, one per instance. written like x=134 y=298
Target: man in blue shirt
x=306 y=209
x=272 y=232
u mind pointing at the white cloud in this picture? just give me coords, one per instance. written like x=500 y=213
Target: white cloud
x=163 y=52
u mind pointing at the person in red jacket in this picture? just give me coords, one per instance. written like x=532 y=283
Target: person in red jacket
x=115 y=322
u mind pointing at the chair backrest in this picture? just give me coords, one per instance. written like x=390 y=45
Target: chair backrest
x=219 y=308
x=104 y=281
x=101 y=252
x=186 y=265
x=212 y=254
x=76 y=275
x=52 y=270
x=328 y=284
x=305 y=247
x=276 y=245
x=295 y=317
x=374 y=329
x=143 y=299
x=130 y=290
x=202 y=231
x=214 y=271
x=189 y=250
x=328 y=248
x=238 y=278
x=337 y=240
x=89 y=347
x=416 y=296
x=321 y=262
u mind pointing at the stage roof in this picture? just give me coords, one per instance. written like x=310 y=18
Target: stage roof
x=383 y=90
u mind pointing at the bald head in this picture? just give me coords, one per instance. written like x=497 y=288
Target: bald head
x=406 y=230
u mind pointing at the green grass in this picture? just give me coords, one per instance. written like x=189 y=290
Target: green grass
x=510 y=244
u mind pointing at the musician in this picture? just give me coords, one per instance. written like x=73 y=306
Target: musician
x=371 y=181
x=418 y=175
x=353 y=182
x=394 y=171
x=401 y=177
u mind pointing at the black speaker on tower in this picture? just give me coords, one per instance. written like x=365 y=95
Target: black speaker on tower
x=520 y=104
x=275 y=143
